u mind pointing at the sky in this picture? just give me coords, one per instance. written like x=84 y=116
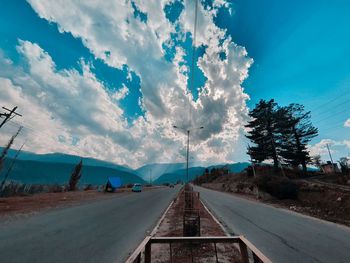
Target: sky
x=110 y=79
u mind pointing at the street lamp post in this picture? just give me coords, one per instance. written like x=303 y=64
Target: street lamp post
x=188 y=145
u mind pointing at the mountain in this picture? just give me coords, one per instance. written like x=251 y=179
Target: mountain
x=173 y=176
x=65 y=158
x=176 y=175
x=158 y=170
x=37 y=172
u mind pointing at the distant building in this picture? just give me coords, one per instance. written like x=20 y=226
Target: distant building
x=330 y=168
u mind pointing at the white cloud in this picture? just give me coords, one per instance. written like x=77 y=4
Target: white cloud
x=77 y=105
x=347 y=143
x=347 y=123
x=338 y=149
x=121 y=94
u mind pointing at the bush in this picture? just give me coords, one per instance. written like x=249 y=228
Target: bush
x=89 y=187
x=279 y=187
x=55 y=188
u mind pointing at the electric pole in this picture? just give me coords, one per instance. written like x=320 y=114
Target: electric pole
x=8 y=116
x=330 y=156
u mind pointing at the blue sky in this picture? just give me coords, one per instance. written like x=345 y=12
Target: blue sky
x=109 y=80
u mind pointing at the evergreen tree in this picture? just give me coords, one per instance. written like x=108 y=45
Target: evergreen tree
x=75 y=177
x=263 y=133
x=296 y=131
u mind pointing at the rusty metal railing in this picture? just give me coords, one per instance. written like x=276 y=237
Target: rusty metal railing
x=146 y=247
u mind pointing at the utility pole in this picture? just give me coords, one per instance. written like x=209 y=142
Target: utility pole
x=330 y=156
x=8 y=116
x=188 y=144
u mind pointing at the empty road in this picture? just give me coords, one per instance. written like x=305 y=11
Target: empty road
x=281 y=235
x=100 y=231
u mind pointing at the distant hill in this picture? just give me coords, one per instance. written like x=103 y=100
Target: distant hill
x=65 y=158
x=35 y=172
x=172 y=177
x=234 y=167
x=158 y=170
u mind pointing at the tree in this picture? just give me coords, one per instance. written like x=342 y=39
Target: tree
x=316 y=160
x=262 y=132
x=344 y=165
x=7 y=147
x=296 y=131
x=76 y=175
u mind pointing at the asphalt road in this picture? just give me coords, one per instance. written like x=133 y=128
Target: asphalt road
x=281 y=235
x=100 y=231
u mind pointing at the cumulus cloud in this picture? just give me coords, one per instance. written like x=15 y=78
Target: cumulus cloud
x=337 y=148
x=78 y=105
x=347 y=123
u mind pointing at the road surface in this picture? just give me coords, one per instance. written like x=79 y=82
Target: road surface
x=281 y=235
x=100 y=231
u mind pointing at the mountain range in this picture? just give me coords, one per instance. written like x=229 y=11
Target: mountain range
x=174 y=176
x=57 y=168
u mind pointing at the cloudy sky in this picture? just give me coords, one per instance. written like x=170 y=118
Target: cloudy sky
x=109 y=79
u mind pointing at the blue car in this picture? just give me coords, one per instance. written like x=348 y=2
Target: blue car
x=137 y=188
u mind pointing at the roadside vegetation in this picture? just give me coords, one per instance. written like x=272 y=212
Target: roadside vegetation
x=279 y=172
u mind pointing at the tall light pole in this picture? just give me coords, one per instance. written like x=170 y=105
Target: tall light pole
x=188 y=145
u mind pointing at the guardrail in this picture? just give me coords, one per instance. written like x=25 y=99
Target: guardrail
x=244 y=245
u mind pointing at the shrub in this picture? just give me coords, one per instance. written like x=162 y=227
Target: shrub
x=279 y=187
x=88 y=187
x=55 y=188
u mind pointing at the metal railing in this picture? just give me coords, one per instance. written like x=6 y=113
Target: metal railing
x=146 y=247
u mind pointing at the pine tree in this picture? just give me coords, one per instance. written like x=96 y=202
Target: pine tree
x=263 y=133
x=296 y=131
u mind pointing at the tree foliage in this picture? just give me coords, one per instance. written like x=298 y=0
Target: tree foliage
x=75 y=177
x=296 y=131
x=280 y=134
x=262 y=132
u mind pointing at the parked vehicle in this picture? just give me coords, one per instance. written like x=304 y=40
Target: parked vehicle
x=171 y=185
x=137 y=188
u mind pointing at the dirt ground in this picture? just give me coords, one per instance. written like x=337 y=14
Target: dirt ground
x=10 y=206
x=172 y=225
x=319 y=196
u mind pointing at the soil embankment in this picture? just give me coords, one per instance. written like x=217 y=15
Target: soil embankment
x=14 y=205
x=324 y=197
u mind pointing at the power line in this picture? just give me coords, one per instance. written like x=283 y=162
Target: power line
x=318 y=114
x=8 y=116
x=336 y=98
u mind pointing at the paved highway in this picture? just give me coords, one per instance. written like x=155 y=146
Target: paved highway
x=281 y=235
x=100 y=231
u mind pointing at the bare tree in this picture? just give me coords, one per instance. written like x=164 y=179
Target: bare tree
x=6 y=149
